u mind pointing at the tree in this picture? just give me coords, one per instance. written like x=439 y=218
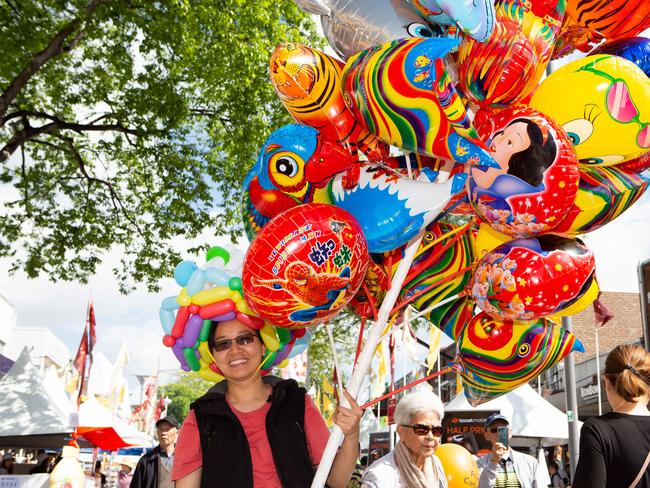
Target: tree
x=345 y=329
x=183 y=392
x=128 y=123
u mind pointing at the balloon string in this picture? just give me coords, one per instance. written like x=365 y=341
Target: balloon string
x=359 y=341
x=405 y=387
x=459 y=232
x=437 y=283
x=371 y=300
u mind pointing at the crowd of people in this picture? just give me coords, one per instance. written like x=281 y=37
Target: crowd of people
x=261 y=431
x=251 y=431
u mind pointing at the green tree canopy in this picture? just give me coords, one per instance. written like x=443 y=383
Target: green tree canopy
x=128 y=123
x=183 y=392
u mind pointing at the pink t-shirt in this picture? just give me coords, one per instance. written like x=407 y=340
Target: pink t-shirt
x=188 y=455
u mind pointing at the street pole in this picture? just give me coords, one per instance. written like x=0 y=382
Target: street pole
x=571 y=404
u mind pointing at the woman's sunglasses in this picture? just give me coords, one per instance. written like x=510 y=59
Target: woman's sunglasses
x=419 y=429
x=241 y=340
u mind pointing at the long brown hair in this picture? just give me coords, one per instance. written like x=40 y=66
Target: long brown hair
x=627 y=368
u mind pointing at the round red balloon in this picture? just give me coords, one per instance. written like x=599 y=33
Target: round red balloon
x=537 y=181
x=528 y=279
x=305 y=265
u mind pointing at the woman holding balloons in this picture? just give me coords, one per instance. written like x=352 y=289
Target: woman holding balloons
x=413 y=463
x=255 y=431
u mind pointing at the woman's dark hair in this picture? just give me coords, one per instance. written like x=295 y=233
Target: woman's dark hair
x=529 y=165
x=553 y=465
x=213 y=330
x=627 y=368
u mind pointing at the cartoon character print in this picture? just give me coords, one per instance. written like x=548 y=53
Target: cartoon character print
x=491 y=278
x=305 y=285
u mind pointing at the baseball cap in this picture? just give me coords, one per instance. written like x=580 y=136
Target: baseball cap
x=8 y=456
x=494 y=417
x=170 y=419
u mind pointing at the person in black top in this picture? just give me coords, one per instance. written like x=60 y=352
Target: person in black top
x=615 y=447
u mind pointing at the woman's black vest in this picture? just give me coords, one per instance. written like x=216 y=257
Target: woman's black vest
x=226 y=453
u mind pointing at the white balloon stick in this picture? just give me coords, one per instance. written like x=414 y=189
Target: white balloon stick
x=365 y=357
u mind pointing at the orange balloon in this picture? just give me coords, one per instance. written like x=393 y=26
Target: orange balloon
x=459 y=465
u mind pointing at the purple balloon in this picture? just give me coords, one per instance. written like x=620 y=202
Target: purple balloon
x=197 y=354
x=224 y=317
x=180 y=342
x=178 y=352
x=282 y=354
x=192 y=330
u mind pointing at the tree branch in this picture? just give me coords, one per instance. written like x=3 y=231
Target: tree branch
x=56 y=47
x=29 y=132
x=115 y=198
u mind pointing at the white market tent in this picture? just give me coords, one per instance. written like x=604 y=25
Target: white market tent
x=533 y=420
x=35 y=412
x=32 y=415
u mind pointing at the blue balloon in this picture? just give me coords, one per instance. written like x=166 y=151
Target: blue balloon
x=196 y=282
x=183 y=272
x=300 y=345
x=635 y=49
x=167 y=319
x=170 y=303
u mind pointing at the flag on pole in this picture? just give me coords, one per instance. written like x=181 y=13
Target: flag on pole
x=79 y=365
x=602 y=314
x=92 y=336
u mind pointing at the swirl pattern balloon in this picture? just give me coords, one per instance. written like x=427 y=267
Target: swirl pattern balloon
x=604 y=194
x=400 y=91
x=537 y=181
x=496 y=356
x=309 y=84
x=441 y=258
x=305 y=265
x=528 y=279
x=602 y=103
x=507 y=67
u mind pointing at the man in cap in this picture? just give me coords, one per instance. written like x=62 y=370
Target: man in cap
x=154 y=468
x=504 y=467
x=7 y=466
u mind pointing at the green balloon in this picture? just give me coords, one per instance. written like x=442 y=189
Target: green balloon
x=218 y=251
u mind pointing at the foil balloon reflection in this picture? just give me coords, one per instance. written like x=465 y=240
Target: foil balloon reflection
x=351 y=27
x=507 y=67
x=635 y=49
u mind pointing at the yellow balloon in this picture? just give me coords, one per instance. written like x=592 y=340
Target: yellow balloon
x=459 y=466
x=211 y=295
x=183 y=298
x=602 y=103
x=209 y=375
x=270 y=337
x=488 y=238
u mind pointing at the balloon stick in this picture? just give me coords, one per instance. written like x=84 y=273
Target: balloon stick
x=365 y=358
x=337 y=366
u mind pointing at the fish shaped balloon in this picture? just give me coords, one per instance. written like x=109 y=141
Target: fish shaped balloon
x=475 y=18
x=496 y=356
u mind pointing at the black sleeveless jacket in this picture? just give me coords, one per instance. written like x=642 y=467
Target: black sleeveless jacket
x=226 y=453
